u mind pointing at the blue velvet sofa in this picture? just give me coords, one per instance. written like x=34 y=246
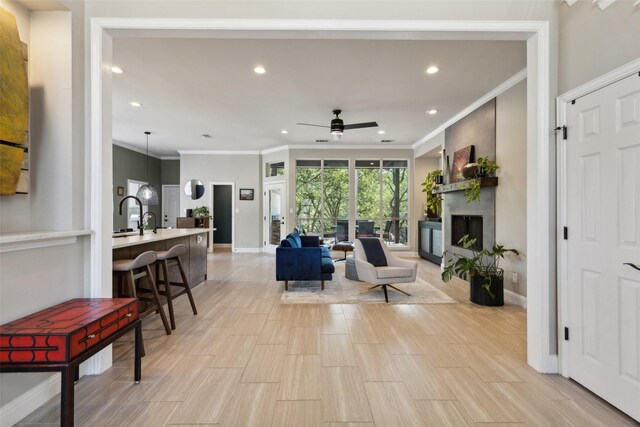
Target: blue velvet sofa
x=302 y=258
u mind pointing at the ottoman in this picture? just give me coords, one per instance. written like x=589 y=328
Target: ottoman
x=343 y=247
x=350 y=271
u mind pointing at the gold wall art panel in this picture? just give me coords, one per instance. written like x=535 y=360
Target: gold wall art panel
x=14 y=108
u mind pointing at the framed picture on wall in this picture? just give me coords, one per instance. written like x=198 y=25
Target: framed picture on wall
x=460 y=159
x=246 y=194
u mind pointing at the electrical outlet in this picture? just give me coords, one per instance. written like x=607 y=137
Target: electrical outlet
x=514 y=277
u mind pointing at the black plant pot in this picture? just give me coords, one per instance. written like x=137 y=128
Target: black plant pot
x=479 y=295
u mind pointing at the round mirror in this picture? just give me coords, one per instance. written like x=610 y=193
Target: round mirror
x=194 y=189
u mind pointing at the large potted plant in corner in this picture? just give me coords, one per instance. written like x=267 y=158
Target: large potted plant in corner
x=433 y=205
x=481 y=269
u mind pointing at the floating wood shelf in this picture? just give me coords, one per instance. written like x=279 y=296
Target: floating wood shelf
x=489 y=181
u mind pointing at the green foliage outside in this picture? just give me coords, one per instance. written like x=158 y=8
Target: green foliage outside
x=319 y=215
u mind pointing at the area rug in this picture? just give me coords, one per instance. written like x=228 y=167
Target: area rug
x=341 y=290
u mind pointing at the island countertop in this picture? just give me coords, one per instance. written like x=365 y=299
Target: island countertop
x=150 y=237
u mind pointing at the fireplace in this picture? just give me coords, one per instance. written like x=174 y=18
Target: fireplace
x=462 y=225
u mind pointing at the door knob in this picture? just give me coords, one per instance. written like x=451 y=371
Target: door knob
x=631 y=265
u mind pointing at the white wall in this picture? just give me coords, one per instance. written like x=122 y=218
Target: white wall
x=593 y=42
x=243 y=170
x=34 y=279
x=511 y=193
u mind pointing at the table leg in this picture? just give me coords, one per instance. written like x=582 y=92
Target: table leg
x=67 y=397
x=76 y=374
x=137 y=371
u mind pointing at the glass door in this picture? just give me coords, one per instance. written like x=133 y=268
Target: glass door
x=274 y=215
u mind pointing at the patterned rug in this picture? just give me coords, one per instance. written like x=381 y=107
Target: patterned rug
x=341 y=290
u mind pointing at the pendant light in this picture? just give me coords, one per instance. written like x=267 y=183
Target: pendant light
x=147 y=194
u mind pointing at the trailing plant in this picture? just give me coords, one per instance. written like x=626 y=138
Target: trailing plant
x=434 y=201
x=482 y=262
x=202 y=212
x=472 y=190
x=486 y=167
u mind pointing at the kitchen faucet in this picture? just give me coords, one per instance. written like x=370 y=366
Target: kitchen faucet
x=140 y=227
x=155 y=224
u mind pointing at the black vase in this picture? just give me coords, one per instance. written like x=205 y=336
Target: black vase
x=479 y=295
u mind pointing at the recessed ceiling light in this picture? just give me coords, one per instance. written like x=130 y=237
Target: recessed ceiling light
x=432 y=69
x=259 y=70
x=135 y=104
x=381 y=132
x=117 y=70
x=284 y=131
x=432 y=112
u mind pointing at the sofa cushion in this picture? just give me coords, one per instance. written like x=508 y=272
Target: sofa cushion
x=393 y=272
x=327 y=266
x=292 y=242
x=325 y=252
x=285 y=244
x=296 y=238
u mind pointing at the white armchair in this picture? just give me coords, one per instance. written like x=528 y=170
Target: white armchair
x=397 y=270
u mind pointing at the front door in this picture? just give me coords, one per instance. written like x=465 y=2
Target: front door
x=603 y=210
x=170 y=205
x=274 y=215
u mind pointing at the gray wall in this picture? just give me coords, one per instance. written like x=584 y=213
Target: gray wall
x=170 y=172
x=244 y=171
x=128 y=164
x=511 y=193
x=593 y=42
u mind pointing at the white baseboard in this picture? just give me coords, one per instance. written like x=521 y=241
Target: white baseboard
x=550 y=365
x=29 y=401
x=514 y=298
x=247 y=250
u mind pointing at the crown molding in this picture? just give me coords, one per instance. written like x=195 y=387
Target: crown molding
x=350 y=147
x=170 y=158
x=134 y=148
x=503 y=87
x=220 y=152
x=275 y=149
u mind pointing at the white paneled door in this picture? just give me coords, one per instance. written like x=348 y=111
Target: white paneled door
x=603 y=211
x=274 y=214
x=170 y=205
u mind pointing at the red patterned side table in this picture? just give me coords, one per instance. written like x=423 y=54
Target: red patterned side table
x=61 y=337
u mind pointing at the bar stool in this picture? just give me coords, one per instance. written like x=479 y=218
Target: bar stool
x=134 y=270
x=171 y=258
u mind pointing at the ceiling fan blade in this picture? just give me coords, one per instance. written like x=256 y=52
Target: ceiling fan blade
x=361 y=125
x=309 y=124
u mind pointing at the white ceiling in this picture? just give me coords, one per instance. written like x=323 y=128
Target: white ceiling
x=190 y=87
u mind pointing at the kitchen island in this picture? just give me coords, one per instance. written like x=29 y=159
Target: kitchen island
x=130 y=245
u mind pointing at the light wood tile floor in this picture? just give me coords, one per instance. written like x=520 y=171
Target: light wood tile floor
x=247 y=360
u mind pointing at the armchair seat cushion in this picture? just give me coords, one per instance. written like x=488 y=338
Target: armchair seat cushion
x=393 y=272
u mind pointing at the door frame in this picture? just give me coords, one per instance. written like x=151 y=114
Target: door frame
x=562 y=103
x=163 y=199
x=233 y=213
x=541 y=179
x=265 y=201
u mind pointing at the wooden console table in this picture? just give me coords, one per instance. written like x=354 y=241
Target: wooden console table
x=60 y=338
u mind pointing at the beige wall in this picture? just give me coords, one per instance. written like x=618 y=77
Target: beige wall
x=422 y=166
x=511 y=193
x=593 y=42
x=244 y=172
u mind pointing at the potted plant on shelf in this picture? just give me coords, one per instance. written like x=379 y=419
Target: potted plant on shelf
x=433 y=205
x=200 y=213
x=485 y=167
x=481 y=269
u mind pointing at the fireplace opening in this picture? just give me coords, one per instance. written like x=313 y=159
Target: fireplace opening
x=462 y=225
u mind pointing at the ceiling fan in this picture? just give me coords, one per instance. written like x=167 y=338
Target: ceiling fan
x=338 y=127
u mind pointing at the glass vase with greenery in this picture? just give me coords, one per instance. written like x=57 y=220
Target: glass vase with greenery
x=486 y=167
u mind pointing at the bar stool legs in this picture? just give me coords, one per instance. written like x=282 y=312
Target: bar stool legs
x=171 y=258
x=138 y=269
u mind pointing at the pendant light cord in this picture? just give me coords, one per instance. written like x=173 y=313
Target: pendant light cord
x=148 y=133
